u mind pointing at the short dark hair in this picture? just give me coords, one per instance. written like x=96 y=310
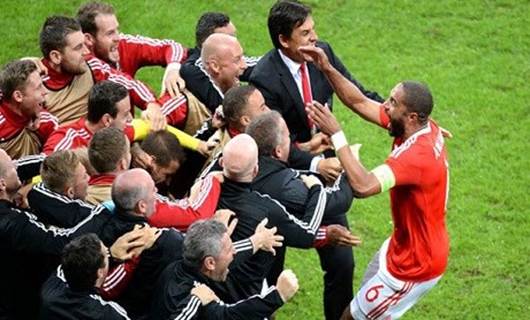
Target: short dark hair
x=284 y=17
x=102 y=99
x=203 y=239
x=14 y=76
x=265 y=130
x=206 y=25
x=87 y=13
x=417 y=98
x=164 y=146
x=81 y=259
x=54 y=32
x=106 y=148
x=235 y=102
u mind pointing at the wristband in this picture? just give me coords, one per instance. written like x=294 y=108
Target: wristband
x=339 y=140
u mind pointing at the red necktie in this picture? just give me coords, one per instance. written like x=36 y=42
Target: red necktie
x=306 y=91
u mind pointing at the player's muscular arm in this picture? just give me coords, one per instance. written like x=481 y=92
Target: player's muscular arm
x=363 y=182
x=348 y=93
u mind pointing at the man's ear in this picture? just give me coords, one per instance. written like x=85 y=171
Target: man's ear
x=106 y=119
x=90 y=40
x=18 y=96
x=3 y=185
x=277 y=152
x=245 y=120
x=283 y=41
x=123 y=164
x=221 y=162
x=69 y=192
x=209 y=263
x=214 y=66
x=101 y=273
x=141 y=206
x=56 y=57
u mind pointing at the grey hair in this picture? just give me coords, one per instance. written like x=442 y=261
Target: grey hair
x=266 y=131
x=126 y=196
x=203 y=239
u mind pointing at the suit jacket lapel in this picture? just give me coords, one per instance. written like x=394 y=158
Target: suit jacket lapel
x=290 y=85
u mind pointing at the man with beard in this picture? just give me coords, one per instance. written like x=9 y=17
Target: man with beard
x=72 y=71
x=414 y=259
x=24 y=126
x=129 y=53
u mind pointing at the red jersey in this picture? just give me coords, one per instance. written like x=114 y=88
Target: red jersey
x=11 y=123
x=138 y=51
x=75 y=135
x=12 y=126
x=181 y=214
x=419 y=245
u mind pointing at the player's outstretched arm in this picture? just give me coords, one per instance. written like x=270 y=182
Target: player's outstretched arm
x=348 y=93
x=363 y=182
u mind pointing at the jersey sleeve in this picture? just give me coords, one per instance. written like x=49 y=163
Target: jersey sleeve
x=118 y=278
x=48 y=124
x=300 y=233
x=174 y=109
x=58 y=140
x=137 y=51
x=139 y=93
x=26 y=234
x=181 y=214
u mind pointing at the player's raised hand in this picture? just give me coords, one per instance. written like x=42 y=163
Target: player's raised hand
x=322 y=116
x=315 y=55
x=338 y=235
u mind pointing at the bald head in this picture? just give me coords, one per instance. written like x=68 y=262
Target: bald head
x=222 y=57
x=5 y=160
x=9 y=181
x=132 y=187
x=217 y=45
x=240 y=158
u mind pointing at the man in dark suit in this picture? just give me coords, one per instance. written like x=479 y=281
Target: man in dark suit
x=279 y=75
x=288 y=83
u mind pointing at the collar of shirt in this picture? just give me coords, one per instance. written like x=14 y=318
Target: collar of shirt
x=294 y=69
x=11 y=116
x=102 y=179
x=55 y=80
x=233 y=132
x=200 y=65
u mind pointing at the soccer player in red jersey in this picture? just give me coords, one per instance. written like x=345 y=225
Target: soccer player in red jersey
x=414 y=258
x=128 y=53
x=24 y=126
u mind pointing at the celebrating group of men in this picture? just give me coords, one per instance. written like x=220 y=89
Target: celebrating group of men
x=185 y=212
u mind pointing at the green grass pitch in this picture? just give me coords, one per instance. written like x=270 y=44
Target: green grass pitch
x=475 y=56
